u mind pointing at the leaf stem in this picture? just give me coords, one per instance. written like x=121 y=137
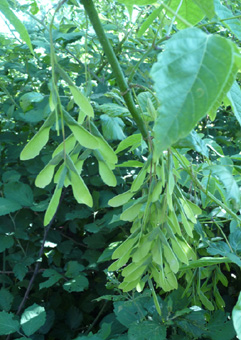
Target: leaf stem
x=119 y=75
x=221 y=20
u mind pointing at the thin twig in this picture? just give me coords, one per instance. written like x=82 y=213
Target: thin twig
x=97 y=317
x=36 y=269
x=10 y=272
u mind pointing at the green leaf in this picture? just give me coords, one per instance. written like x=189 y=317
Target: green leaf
x=236 y=316
x=69 y=144
x=82 y=101
x=147 y=22
x=206 y=261
x=17 y=24
x=53 y=277
x=6 y=242
x=205 y=301
x=20 y=270
x=8 y=206
x=80 y=190
x=234 y=96
x=54 y=202
x=121 y=199
x=139 y=180
x=78 y=284
x=234 y=25
x=124 y=248
x=128 y=312
x=193 y=324
x=11 y=176
x=106 y=174
x=128 y=142
x=130 y=164
x=83 y=136
x=104 y=148
x=6 y=299
x=112 y=127
x=207 y=6
x=35 y=145
x=220 y=327
x=132 y=212
x=200 y=68
x=53 y=205
x=189 y=11
x=73 y=268
x=19 y=192
x=226 y=177
x=194 y=142
x=45 y=176
x=7 y=323
x=147 y=330
x=221 y=248
x=235 y=239
x=32 y=319
x=28 y=98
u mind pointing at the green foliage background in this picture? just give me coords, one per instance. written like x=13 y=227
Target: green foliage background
x=55 y=282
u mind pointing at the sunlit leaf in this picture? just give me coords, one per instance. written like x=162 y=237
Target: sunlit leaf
x=199 y=69
x=17 y=24
x=82 y=101
x=188 y=11
x=32 y=319
x=35 y=145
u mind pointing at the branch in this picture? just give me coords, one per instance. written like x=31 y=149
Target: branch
x=37 y=265
x=119 y=75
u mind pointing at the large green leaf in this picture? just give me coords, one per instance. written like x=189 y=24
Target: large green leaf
x=220 y=327
x=236 y=316
x=193 y=323
x=32 y=319
x=7 y=323
x=17 y=24
x=191 y=77
x=234 y=25
x=207 y=6
x=188 y=11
